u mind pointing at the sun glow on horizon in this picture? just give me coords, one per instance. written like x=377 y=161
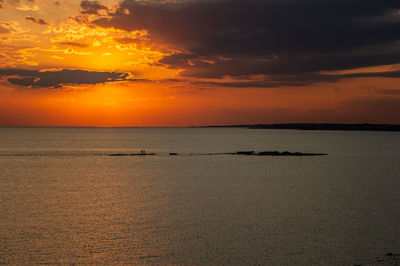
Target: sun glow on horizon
x=127 y=63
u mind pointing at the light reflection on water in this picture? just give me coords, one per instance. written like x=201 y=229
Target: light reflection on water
x=68 y=207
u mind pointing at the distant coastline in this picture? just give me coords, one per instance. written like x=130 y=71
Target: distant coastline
x=320 y=126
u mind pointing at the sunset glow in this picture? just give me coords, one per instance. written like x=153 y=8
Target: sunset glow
x=169 y=63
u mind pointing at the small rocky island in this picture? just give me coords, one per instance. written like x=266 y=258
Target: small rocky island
x=278 y=153
x=262 y=153
x=142 y=153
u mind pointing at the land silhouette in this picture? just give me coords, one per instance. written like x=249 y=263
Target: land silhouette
x=320 y=126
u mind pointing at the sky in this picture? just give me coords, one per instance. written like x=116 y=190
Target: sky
x=198 y=62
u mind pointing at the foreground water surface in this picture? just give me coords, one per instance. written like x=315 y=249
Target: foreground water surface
x=64 y=200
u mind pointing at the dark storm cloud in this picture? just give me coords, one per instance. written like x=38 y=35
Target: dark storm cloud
x=57 y=79
x=293 y=37
x=299 y=80
x=92 y=7
x=36 y=20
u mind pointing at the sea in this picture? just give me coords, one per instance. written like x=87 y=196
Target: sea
x=65 y=200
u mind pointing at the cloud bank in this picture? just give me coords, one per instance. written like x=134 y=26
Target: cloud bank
x=60 y=78
x=289 y=41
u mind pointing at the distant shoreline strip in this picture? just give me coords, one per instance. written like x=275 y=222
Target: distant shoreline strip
x=318 y=126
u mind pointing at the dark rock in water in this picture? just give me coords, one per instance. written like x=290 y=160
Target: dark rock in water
x=389 y=254
x=131 y=154
x=142 y=153
x=263 y=153
x=271 y=153
x=287 y=153
x=246 y=153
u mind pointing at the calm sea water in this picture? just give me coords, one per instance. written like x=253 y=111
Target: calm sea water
x=64 y=200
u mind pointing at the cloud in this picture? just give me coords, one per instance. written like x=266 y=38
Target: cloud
x=36 y=20
x=75 y=44
x=92 y=7
x=10 y=2
x=274 y=81
x=4 y=30
x=28 y=8
x=278 y=39
x=126 y=40
x=63 y=4
x=60 y=78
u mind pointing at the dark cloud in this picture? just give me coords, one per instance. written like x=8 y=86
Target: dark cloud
x=294 y=80
x=36 y=20
x=276 y=38
x=57 y=79
x=92 y=7
x=75 y=44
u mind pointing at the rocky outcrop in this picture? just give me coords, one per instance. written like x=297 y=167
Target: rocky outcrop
x=286 y=153
x=131 y=154
x=247 y=153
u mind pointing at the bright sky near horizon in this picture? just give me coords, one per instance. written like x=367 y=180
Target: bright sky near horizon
x=198 y=62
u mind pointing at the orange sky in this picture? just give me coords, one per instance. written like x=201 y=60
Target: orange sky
x=50 y=36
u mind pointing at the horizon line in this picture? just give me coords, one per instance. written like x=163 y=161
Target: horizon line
x=205 y=126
